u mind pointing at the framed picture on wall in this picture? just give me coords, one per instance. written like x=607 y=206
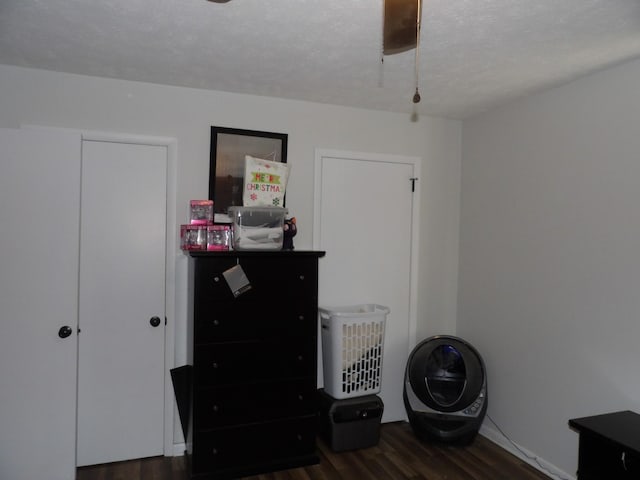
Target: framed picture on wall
x=227 y=161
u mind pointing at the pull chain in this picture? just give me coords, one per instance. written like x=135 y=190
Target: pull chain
x=416 y=96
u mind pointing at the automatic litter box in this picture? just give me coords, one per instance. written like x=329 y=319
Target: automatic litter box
x=445 y=390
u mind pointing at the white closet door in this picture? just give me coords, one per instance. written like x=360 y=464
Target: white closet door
x=39 y=229
x=363 y=220
x=122 y=287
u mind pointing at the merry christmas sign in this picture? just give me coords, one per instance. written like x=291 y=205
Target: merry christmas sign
x=265 y=182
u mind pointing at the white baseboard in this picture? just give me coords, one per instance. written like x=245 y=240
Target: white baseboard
x=179 y=449
x=525 y=455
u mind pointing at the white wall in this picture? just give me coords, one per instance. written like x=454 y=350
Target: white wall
x=61 y=100
x=549 y=283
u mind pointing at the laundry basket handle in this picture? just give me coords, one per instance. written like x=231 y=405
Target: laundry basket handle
x=327 y=313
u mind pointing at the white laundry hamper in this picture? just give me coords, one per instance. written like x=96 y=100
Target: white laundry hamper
x=352 y=347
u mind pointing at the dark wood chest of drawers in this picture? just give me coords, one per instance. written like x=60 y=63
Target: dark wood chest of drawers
x=609 y=446
x=254 y=360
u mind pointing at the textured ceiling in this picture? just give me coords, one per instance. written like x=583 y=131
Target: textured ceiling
x=474 y=54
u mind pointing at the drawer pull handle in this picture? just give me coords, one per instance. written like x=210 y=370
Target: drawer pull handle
x=300 y=397
x=216 y=408
x=214 y=451
x=214 y=365
x=216 y=279
x=216 y=322
x=300 y=358
x=299 y=437
x=301 y=277
x=300 y=317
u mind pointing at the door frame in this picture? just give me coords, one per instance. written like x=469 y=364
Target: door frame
x=170 y=255
x=320 y=155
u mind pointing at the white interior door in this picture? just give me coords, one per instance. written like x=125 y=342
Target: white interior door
x=122 y=287
x=39 y=226
x=363 y=220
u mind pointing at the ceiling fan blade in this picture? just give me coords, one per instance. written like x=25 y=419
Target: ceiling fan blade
x=400 y=25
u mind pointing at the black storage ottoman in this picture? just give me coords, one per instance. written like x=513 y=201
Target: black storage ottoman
x=350 y=423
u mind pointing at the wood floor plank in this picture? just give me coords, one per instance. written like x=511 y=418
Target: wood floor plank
x=399 y=455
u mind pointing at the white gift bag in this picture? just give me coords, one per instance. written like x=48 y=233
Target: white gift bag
x=265 y=182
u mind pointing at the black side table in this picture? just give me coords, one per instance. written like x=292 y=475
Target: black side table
x=609 y=446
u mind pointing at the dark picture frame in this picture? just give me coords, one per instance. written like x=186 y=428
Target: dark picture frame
x=226 y=162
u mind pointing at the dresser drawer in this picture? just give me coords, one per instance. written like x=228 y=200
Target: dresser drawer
x=245 y=362
x=228 y=324
x=276 y=283
x=600 y=458
x=243 y=404
x=252 y=444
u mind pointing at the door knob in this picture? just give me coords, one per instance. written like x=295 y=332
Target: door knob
x=65 y=331
x=155 y=321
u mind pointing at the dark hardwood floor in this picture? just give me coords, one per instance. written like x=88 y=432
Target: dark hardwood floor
x=398 y=455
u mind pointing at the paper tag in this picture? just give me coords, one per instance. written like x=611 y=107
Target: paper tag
x=237 y=280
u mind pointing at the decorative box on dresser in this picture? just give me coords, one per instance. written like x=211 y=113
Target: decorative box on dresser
x=254 y=360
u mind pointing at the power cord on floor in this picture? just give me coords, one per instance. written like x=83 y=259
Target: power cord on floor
x=533 y=458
